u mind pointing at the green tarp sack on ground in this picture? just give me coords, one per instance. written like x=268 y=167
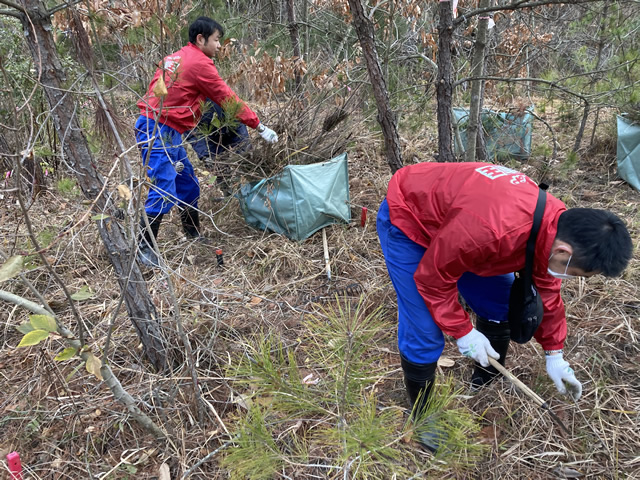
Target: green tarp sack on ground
x=628 y=152
x=507 y=135
x=299 y=201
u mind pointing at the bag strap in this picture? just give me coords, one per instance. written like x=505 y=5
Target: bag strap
x=531 y=243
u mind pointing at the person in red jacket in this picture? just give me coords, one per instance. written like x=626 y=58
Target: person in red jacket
x=171 y=107
x=214 y=139
x=450 y=229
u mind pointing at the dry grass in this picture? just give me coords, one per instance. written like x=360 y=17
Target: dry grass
x=66 y=424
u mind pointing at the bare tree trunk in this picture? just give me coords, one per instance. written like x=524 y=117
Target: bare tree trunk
x=444 y=87
x=294 y=33
x=481 y=146
x=305 y=23
x=477 y=70
x=386 y=117
x=601 y=44
x=5 y=161
x=269 y=17
x=595 y=126
x=583 y=125
x=142 y=312
x=33 y=176
x=602 y=30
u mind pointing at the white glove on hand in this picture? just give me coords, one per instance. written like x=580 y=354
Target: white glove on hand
x=475 y=345
x=560 y=372
x=266 y=133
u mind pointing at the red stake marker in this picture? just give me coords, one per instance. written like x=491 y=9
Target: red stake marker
x=15 y=466
x=363 y=217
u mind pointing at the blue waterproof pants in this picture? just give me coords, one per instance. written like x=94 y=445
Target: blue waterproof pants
x=209 y=141
x=420 y=340
x=168 y=186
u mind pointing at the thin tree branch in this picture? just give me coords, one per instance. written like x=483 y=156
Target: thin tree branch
x=30 y=286
x=11 y=4
x=110 y=379
x=209 y=456
x=10 y=13
x=82 y=328
x=554 y=154
x=516 y=5
x=538 y=80
x=631 y=63
x=419 y=55
x=62 y=6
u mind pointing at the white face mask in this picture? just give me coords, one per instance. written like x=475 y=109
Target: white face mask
x=561 y=276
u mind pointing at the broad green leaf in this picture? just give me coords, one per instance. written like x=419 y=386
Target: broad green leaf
x=33 y=338
x=11 y=268
x=93 y=365
x=82 y=294
x=43 y=322
x=25 y=328
x=66 y=354
x=100 y=216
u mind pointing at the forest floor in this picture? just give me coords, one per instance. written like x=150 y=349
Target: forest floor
x=272 y=300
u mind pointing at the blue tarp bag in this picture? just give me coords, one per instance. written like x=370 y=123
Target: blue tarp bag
x=299 y=201
x=628 y=152
x=507 y=135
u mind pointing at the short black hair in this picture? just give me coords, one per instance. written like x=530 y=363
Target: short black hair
x=600 y=240
x=205 y=26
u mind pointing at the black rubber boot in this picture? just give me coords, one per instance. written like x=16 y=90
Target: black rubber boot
x=499 y=337
x=190 y=219
x=147 y=255
x=419 y=380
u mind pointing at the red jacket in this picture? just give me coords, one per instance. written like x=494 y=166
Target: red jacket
x=475 y=217
x=190 y=77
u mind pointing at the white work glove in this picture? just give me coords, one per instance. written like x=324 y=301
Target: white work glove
x=560 y=372
x=266 y=133
x=475 y=345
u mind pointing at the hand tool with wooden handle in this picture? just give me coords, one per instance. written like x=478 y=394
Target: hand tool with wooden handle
x=528 y=392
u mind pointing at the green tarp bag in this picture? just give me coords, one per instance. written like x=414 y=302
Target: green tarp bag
x=628 y=152
x=299 y=201
x=506 y=135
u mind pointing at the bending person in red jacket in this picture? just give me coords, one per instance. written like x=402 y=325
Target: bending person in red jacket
x=462 y=228
x=190 y=77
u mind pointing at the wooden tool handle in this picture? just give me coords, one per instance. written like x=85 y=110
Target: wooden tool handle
x=513 y=379
x=528 y=392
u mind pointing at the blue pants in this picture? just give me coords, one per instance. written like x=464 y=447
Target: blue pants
x=209 y=141
x=168 y=186
x=420 y=340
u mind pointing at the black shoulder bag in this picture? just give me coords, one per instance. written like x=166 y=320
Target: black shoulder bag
x=525 y=305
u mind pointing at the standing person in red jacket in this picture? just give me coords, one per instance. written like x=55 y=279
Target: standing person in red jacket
x=462 y=228
x=190 y=77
